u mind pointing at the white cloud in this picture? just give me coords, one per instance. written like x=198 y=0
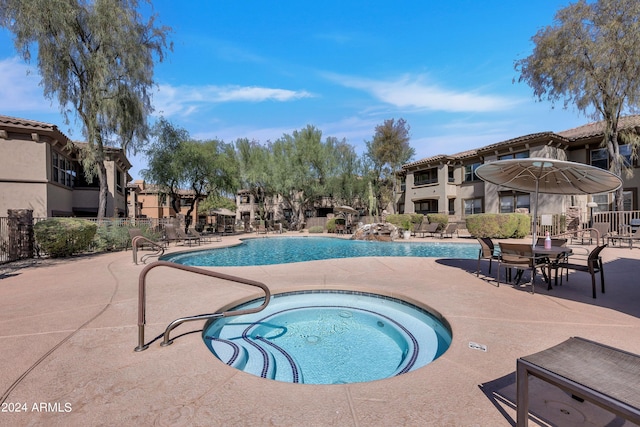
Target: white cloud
x=185 y=100
x=20 y=89
x=413 y=92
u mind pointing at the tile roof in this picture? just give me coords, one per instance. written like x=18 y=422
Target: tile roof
x=597 y=128
x=24 y=123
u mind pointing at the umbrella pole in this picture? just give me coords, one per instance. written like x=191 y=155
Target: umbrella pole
x=535 y=216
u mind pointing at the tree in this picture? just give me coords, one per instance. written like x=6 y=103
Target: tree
x=388 y=151
x=96 y=58
x=254 y=176
x=346 y=184
x=177 y=163
x=589 y=58
x=300 y=170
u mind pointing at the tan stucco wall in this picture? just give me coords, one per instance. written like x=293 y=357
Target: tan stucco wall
x=23 y=196
x=23 y=160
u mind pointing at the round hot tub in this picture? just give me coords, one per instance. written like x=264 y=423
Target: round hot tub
x=329 y=337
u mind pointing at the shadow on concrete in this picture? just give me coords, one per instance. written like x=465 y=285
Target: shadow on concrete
x=621 y=290
x=548 y=404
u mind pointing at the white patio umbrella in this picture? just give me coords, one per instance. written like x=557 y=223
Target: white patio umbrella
x=345 y=209
x=549 y=176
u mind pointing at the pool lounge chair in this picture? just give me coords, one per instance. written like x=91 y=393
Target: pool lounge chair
x=427 y=228
x=603 y=375
x=449 y=230
x=177 y=235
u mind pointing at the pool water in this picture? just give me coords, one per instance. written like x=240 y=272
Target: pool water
x=329 y=337
x=282 y=250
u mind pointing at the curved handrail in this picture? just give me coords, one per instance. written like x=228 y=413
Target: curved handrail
x=134 y=247
x=142 y=299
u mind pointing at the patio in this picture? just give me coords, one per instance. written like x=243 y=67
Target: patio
x=68 y=329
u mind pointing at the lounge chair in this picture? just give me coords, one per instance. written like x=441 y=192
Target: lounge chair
x=521 y=257
x=603 y=375
x=629 y=232
x=592 y=265
x=205 y=238
x=487 y=251
x=449 y=230
x=428 y=228
x=177 y=235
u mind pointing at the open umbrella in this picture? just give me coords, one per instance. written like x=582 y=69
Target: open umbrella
x=549 y=176
x=345 y=209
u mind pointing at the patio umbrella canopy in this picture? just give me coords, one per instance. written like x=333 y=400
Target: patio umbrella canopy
x=549 y=176
x=345 y=209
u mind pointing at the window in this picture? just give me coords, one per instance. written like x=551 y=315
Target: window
x=430 y=176
x=510 y=202
x=470 y=172
x=520 y=155
x=426 y=206
x=450 y=173
x=626 y=152
x=119 y=181
x=627 y=200
x=62 y=170
x=452 y=206
x=603 y=202
x=472 y=206
x=600 y=158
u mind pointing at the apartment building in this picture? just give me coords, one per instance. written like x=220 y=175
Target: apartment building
x=40 y=169
x=448 y=184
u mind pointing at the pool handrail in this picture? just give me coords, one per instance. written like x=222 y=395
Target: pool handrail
x=142 y=299
x=134 y=246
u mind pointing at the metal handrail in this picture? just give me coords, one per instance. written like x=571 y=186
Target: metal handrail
x=134 y=247
x=142 y=299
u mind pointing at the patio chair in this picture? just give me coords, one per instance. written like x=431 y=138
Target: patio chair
x=592 y=265
x=206 y=237
x=449 y=230
x=603 y=231
x=603 y=375
x=556 y=264
x=487 y=251
x=629 y=232
x=177 y=235
x=262 y=229
x=521 y=257
x=427 y=228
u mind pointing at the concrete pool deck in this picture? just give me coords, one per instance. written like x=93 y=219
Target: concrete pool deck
x=68 y=329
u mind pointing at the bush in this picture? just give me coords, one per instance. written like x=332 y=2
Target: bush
x=400 y=220
x=441 y=219
x=61 y=237
x=316 y=229
x=499 y=226
x=331 y=225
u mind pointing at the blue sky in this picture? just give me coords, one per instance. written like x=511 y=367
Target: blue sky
x=260 y=69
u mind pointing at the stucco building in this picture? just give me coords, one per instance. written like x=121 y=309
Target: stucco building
x=40 y=170
x=448 y=184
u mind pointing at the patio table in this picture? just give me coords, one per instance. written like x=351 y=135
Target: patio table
x=555 y=252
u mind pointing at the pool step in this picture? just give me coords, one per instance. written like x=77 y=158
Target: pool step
x=258 y=357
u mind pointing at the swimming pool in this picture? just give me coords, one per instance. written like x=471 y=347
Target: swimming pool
x=283 y=250
x=329 y=337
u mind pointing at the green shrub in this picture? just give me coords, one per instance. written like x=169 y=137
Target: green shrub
x=331 y=225
x=316 y=229
x=442 y=219
x=61 y=237
x=498 y=226
x=400 y=220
